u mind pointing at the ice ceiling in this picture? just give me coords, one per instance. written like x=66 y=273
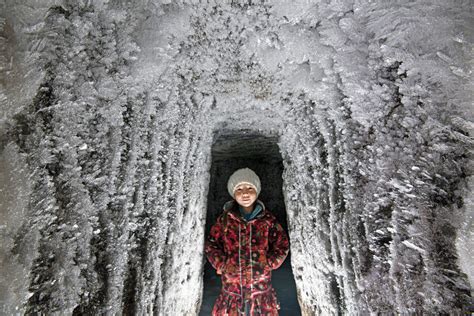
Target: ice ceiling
x=109 y=115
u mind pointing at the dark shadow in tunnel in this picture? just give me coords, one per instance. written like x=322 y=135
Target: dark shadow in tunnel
x=238 y=149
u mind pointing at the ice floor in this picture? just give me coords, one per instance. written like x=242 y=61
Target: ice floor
x=282 y=280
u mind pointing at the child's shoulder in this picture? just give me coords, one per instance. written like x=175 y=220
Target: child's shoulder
x=268 y=215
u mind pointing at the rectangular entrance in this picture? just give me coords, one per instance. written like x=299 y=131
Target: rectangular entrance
x=232 y=151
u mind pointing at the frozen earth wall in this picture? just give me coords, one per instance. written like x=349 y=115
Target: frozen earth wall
x=109 y=114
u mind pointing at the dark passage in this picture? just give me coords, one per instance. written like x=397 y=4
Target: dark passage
x=233 y=150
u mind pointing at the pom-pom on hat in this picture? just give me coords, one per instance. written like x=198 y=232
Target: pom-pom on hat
x=241 y=176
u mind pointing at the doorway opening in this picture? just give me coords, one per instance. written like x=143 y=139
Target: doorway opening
x=233 y=150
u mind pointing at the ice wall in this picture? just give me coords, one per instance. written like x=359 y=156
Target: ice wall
x=109 y=111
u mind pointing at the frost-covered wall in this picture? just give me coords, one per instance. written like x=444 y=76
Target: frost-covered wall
x=109 y=111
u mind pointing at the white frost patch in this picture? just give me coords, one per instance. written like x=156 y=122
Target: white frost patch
x=413 y=246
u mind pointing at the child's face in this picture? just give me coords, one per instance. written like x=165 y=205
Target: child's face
x=245 y=195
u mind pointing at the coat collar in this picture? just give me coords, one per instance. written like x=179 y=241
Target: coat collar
x=233 y=208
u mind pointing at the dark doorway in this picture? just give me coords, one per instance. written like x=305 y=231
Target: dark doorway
x=238 y=149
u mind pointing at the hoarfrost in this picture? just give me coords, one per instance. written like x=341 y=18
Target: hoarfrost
x=110 y=111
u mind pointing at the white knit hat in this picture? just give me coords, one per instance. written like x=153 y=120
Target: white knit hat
x=241 y=176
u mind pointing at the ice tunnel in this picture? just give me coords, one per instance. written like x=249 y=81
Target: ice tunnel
x=121 y=120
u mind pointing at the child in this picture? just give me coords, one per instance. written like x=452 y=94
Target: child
x=245 y=244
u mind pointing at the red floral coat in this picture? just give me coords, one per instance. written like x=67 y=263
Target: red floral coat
x=245 y=253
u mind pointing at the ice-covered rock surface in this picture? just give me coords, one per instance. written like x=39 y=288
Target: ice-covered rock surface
x=109 y=111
